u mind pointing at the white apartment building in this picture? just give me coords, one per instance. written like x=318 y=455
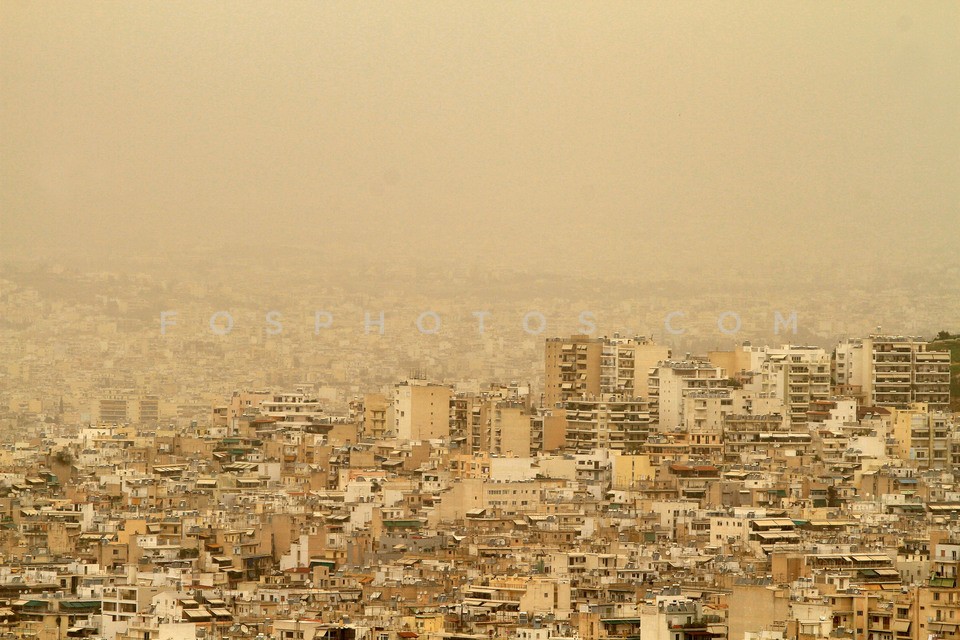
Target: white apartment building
x=295 y=407
x=780 y=380
x=609 y=422
x=895 y=370
x=671 y=381
x=798 y=375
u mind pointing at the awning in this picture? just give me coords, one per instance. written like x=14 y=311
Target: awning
x=777 y=535
x=901 y=626
x=196 y=614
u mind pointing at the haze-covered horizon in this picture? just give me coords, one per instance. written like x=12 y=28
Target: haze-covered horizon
x=564 y=135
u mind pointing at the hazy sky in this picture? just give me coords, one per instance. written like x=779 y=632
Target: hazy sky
x=502 y=125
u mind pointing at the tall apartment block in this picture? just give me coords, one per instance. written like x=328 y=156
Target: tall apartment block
x=497 y=421
x=895 y=371
x=801 y=375
x=421 y=410
x=792 y=375
x=625 y=365
x=571 y=368
x=585 y=367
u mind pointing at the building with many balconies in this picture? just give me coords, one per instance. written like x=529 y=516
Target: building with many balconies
x=895 y=371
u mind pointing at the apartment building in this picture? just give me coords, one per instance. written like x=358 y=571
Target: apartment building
x=679 y=618
x=498 y=421
x=802 y=375
x=625 y=365
x=377 y=415
x=748 y=438
x=421 y=410
x=571 y=368
x=795 y=375
x=298 y=407
x=610 y=422
x=671 y=381
x=127 y=406
x=894 y=370
x=704 y=411
x=581 y=366
x=922 y=436
x=933 y=609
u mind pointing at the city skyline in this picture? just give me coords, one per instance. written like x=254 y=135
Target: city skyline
x=454 y=320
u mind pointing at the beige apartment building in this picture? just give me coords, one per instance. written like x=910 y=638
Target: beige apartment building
x=625 y=365
x=932 y=610
x=492 y=423
x=571 y=368
x=923 y=437
x=421 y=410
x=581 y=366
x=377 y=415
x=127 y=406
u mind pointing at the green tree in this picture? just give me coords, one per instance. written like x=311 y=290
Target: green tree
x=833 y=497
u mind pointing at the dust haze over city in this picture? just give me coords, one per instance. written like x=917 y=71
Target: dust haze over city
x=627 y=159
